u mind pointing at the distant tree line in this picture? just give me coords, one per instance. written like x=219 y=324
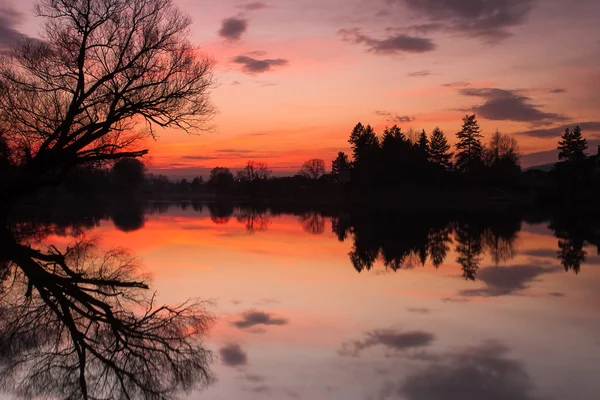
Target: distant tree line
x=394 y=157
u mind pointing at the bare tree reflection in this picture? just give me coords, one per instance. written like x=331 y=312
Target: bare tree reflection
x=313 y=223
x=255 y=220
x=78 y=324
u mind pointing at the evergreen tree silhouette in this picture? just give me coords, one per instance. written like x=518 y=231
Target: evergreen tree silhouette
x=423 y=145
x=469 y=148
x=438 y=240
x=340 y=167
x=365 y=149
x=572 y=146
x=468 y=248
x=439 y=149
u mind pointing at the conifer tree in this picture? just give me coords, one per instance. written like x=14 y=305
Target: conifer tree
x=439 y=149
x=340 y=167
x=469 y=148
x=423 y=145
x=572 y=146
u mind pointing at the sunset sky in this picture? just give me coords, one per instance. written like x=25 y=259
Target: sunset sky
x=294 y=76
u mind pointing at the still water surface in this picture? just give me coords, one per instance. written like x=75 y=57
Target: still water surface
x=314 y=307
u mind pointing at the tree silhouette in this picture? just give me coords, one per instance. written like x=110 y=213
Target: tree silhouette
x=365 y=148
x=502 y=156
x=78 y=324
x=220 y=212
x=340 y=168
x=103 y=66
x=254 y=220
x=254 y=171
x=128 y=174
x=468 y=249
x=469 y=148
x=397 y=154
x=313 y=168
x=439 y=240
x=313 y=223
x=221 y=179
x=439 y=149
x=571 y=254
x=423 y=146
x=572 y=146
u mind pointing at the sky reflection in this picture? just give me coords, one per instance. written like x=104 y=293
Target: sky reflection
x=296 y=320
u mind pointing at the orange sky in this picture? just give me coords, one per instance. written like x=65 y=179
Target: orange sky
x=294 y=76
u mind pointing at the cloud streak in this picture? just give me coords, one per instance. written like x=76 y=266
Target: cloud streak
x=488 y=20
x=556 y=131
x=509 y=105
x=9 y=35
x=254 y=318
x=390 y=339
x=395 y=118
x=482 y=372
x=506 y=281
x=253 y=66
x=395 y=44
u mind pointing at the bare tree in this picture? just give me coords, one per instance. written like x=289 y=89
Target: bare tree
x=77 y=324
x=313 y=168
x=101 y=68
x=254 y=171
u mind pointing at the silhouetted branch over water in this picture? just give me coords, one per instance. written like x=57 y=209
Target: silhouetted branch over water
x=79 y=323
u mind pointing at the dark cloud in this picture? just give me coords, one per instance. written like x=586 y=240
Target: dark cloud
x=557 y=131
x=482 y=372
x=456 y=84
x=253 y=318
x=489 y=20
x=419 y=73
x=558 y=91
x=9 y=35
x=257 y=5
x=232 y=355
x=396 y=118
x=398 y=43
x=390 y=339
x=251 y=65
x=233 y=28
x=509 y=105
x=501 y=281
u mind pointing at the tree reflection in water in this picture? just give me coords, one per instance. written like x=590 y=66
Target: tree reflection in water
x=79 y=323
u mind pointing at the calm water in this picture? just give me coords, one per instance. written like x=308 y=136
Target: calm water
x=312 y=306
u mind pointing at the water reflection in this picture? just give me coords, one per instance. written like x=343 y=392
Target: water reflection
x=79 y=323
x=398 y=240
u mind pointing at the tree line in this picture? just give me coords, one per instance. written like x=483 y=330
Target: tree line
x=394 y=157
